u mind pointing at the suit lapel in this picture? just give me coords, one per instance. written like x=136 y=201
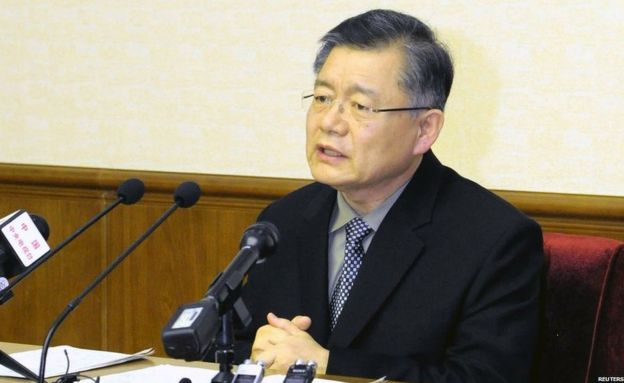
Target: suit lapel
x=313 y=262
x=384 y=266
x=392 y=252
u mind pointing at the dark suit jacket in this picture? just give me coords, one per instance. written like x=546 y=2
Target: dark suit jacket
x=447 y=292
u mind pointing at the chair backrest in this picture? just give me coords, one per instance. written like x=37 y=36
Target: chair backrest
x=583 y=317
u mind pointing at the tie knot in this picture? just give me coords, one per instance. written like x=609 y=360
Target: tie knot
x=357 y=229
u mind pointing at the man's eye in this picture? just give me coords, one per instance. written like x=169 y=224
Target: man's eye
x=360 y=108
x=322 y=100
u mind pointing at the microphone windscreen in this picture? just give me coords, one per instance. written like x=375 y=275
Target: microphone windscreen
x=42 y=225
x=264 y=235
x=131 y=191
x=187 y=194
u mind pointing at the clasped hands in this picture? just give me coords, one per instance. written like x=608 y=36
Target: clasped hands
x=281 y=342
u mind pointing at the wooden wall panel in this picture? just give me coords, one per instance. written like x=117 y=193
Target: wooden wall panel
x=37 y=301
x=570 y=213
x=177 y=263
x=173 y=267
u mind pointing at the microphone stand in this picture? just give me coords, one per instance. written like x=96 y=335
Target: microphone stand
x=193 y=341
x=5 y=359
x=73 y=304
x=128 y=193
x=61 y=245
x=224 y=355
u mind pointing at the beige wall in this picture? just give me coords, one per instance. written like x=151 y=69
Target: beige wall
x=214 y=86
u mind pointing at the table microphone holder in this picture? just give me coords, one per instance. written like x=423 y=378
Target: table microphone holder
x=224 y=355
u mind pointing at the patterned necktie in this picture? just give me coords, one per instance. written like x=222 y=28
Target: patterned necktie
x=356 y=231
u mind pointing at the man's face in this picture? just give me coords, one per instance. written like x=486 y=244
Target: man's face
x=368 y=157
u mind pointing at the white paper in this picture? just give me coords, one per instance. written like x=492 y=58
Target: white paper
x=163 y=373
x=79 y=360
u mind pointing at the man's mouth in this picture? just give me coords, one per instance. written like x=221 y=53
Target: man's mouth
x=331 y=153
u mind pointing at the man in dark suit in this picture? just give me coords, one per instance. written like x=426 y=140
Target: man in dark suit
x=392 y=264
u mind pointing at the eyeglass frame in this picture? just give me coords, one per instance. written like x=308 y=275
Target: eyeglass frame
x=382 y=110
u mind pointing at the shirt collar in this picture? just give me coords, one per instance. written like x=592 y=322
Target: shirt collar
x=343 y=213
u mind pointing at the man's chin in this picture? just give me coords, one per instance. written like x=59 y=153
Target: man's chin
x=336 y=181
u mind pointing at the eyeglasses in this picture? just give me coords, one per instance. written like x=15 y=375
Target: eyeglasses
x=319 y=103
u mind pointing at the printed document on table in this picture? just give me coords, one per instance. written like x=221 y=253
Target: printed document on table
x=79 y=360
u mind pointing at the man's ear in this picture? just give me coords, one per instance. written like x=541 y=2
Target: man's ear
x=430 y=124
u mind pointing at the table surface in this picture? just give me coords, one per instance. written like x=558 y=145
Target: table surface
x=10 y=348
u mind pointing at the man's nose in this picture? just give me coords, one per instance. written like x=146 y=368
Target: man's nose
x=334 y=119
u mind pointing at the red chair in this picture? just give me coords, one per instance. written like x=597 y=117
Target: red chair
x=583 y=318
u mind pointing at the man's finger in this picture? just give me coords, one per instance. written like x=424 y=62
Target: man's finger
x=267 y=358
x=282 y=323
x=302 y=322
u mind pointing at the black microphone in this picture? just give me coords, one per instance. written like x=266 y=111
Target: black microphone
x=11 y=267
x=192 y=329
x=128 y=193
x=186 y=195
x=42 y=225
x=9 y=264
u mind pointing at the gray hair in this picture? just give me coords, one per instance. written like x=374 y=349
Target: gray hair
x=428 y=73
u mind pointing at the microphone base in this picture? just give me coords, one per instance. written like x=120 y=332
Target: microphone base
x=225 y=376
x=225 y=358
x=68 y=378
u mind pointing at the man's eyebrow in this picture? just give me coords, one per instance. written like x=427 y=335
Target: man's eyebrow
x=355 y=88
x=322 y=83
